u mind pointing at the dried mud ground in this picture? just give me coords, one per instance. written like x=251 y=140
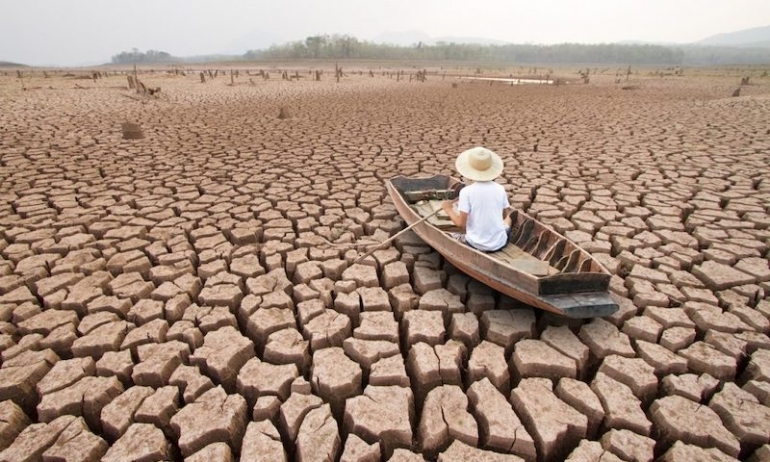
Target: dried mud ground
x=192 y=295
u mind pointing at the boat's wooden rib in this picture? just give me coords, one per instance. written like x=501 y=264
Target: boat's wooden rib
x=561 y=263
x=556 y=252
x=531 y=244
x=542 y=245
x=539 y=266
x=572 y=262
x=522 y=233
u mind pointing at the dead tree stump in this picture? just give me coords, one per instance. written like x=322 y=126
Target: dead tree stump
x=131 y=131
x=203 y=77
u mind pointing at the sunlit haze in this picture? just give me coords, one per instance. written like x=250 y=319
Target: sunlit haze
x=83 y=32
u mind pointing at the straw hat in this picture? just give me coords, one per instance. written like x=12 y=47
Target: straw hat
x=479 y=164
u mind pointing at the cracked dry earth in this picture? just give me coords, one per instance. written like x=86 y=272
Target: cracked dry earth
x=176 y=297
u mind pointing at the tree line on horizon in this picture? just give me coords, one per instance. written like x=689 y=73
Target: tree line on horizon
x=149 y=57
x=342 y=47
x=346 y=47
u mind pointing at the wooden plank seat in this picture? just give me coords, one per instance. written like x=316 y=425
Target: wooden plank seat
x=429 y=195
x=440 y=220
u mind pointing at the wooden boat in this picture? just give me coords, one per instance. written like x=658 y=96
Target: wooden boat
x=538 y=267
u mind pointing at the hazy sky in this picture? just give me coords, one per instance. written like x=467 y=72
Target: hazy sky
x=77 y=32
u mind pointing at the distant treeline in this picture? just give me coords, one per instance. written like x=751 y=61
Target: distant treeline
x=137 y=57
x=341 y=47
x=346 y=47
x=695 y=55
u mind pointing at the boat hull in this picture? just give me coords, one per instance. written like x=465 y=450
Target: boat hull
x=585 y=298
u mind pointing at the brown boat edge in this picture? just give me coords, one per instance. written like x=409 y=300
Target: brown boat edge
x=538 y=267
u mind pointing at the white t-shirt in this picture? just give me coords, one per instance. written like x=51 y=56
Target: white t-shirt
x=484 y=203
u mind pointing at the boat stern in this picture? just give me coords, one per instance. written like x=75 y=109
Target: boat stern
x=583 y=305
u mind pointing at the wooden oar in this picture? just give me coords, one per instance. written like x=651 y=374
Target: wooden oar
x=377 y=246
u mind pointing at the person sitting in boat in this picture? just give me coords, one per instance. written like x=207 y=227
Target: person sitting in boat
x=482 y=207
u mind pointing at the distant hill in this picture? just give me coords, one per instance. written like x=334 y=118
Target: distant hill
x=645 y=42
x=754 y=37
x=10 y=64
x=469 y=40
x=411 y=37
x=403 y=38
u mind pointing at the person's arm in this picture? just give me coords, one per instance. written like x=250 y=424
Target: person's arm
x=507 y=217
x=458 y=218
x=507 y=209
